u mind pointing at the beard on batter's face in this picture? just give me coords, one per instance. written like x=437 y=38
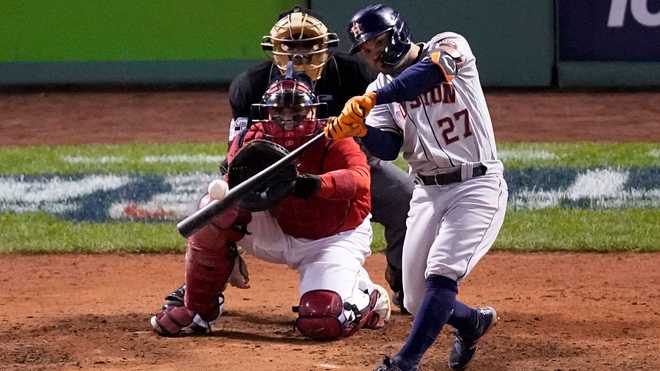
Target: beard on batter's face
x=384 y=68
x=378 y=65
x=372 y=52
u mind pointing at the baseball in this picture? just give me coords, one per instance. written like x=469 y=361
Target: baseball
x=217 y=189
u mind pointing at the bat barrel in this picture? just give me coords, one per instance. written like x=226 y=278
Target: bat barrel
x=199 y=218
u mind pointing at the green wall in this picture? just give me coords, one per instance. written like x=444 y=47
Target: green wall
x=513 y=40
x=608 y=74
x=134 y=30
x=134 y=41
x=211 y=41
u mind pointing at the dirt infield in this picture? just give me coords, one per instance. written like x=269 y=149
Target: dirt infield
x=558 y=311
x=202 y=117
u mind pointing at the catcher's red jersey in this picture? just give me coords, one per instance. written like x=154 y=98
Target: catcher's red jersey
x=344 y=199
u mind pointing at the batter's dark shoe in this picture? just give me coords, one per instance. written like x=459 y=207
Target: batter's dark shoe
x=389 y=364
x=465 y=345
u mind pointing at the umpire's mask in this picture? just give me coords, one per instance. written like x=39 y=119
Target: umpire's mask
x=300 y=38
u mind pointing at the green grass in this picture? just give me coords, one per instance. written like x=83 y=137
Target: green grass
x=524 y=230
x=537 y=230
x=578 y=155
x=129 y=158
x=581 y=230
x=586 y=154
x=43 y=233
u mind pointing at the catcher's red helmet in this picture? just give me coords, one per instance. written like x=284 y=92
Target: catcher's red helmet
x=288 y=111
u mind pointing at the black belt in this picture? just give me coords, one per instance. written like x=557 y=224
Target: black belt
x=453 y=177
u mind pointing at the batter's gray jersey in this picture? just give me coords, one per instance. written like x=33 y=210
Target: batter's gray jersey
x=448 y=126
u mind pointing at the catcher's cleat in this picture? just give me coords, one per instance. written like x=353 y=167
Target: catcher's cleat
x=382 y=310
x=389 y=364
x=175 y=298
x=181 y=321
x=465 y=345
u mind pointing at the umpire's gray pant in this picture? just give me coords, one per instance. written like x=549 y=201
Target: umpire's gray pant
x=391 y=190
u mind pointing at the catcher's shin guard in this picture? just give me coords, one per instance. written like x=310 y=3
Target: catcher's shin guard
x=209 y=262
x=323 y=315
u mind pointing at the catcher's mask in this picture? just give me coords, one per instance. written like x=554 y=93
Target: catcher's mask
x=288 y=111
x=301 y=38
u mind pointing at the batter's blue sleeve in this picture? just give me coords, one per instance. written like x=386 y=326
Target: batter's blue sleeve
x=413 y=81
x=382 y=144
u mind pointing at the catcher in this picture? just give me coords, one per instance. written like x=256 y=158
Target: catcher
x=313 y=216
x=300 y=37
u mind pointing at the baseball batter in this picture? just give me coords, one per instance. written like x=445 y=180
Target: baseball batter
x=317 y=222
x=427 y=101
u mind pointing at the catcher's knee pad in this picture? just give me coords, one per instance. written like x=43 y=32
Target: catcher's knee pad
x=323 y=315
x=320 y=315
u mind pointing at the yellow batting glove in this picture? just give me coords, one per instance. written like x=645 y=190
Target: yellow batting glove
x=360 y=106
x=344 y=127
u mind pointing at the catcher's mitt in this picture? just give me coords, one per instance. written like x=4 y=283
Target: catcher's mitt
x=253 y=157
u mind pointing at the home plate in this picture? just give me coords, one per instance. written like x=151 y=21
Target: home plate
x=328 y=366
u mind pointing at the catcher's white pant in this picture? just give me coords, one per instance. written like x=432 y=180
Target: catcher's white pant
x=331 y=263
x=450 y=228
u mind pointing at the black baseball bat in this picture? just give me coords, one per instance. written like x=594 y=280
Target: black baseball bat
x=203 y=216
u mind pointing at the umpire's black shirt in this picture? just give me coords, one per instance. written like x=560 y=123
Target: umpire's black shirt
x=343 y=77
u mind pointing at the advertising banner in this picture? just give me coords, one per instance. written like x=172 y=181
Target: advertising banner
x=609 y=30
